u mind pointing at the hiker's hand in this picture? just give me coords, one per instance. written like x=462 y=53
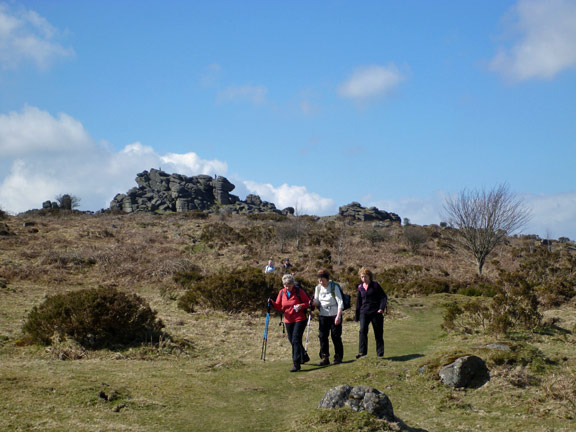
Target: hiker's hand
x=297 y=307
x=269 y=301
x=338 y=320
x=379 y=311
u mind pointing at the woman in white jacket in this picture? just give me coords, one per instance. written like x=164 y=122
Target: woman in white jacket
x=328 y=299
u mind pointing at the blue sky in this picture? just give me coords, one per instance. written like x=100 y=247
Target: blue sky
x=313 y=104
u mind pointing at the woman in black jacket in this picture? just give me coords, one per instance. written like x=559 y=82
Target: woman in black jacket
x=370 y=307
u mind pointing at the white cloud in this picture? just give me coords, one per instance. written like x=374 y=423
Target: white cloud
x=47 y=156
x=420 y=210
x=546 y=42
x=26 y=36
x=554 y=214
x=370 y=82
x=292 y=196
x=252 y=94
x=32 y=130
x=191 y=162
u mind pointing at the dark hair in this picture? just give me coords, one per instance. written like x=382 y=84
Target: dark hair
x=323 y=274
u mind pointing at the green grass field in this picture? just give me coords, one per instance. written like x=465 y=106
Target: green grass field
x=220 y=383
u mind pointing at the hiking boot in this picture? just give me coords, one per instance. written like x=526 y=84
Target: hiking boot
x=359 y=356
x=305 y=358
x=337 y=361
x=325 y=362
x=295 y=367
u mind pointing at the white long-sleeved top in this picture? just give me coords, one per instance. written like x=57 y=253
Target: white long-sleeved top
x=329 y=304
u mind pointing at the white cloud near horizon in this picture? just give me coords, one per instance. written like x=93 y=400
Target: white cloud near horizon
x=299 y=197
x=371 y=82
x=46 y=156
x=546 y=43
x=26 y=36
x=32 y=130
x=554 y=214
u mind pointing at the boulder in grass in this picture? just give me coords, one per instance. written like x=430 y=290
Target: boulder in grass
x=465 y=372
x=359 y=398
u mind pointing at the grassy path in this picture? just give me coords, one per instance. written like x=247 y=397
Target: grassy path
x=226 y=387
x=222 y=389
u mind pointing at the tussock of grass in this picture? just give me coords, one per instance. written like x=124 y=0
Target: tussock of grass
x=342 y=420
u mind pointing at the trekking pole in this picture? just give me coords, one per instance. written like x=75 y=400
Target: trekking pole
x=308 y=331
x=265 y=339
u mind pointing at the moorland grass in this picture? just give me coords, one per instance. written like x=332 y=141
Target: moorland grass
x=220 y=384
x=208 y=376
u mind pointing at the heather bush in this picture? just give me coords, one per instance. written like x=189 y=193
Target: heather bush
x=514 y=307
x=195 y=214
x=188 y=277
x=244 y=289
x=553 y=274
x=275 y=217
x=324 y=259
x=476 y=288
x=374 y=235
x=94 y=318
x=221 y=233
x=415 y=237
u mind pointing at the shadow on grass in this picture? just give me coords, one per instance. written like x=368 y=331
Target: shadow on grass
x=405 y=357
x=407 y=428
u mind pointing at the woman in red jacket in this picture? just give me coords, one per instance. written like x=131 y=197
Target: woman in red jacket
x=293 y=301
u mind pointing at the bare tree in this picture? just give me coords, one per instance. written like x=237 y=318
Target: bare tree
x=415 y=237
x=68 y=202
x=484 y=218
x=341 y=243
x=299 y=224
x=286 y=231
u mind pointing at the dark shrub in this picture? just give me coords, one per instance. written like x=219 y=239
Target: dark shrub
x=476 y=288
x=429 y=285
x=243 y=289
x=415 y=237
x=95 y=318
x=324 y=258
x=276 y=217
x=513 y=308
x=195 y=214
x=189 y=277
x=222 y=234
x=374 y=235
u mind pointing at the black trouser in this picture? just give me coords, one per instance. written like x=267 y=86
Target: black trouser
x=295 y=332
x=377 y=321
x=327 y=327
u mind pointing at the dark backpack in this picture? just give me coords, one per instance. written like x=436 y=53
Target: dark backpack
x=345 y=297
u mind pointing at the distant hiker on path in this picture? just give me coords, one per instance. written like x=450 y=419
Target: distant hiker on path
x=286 y=265
x=293 y=301
x=370 y=306
x=270 y=267
x=328 y=299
